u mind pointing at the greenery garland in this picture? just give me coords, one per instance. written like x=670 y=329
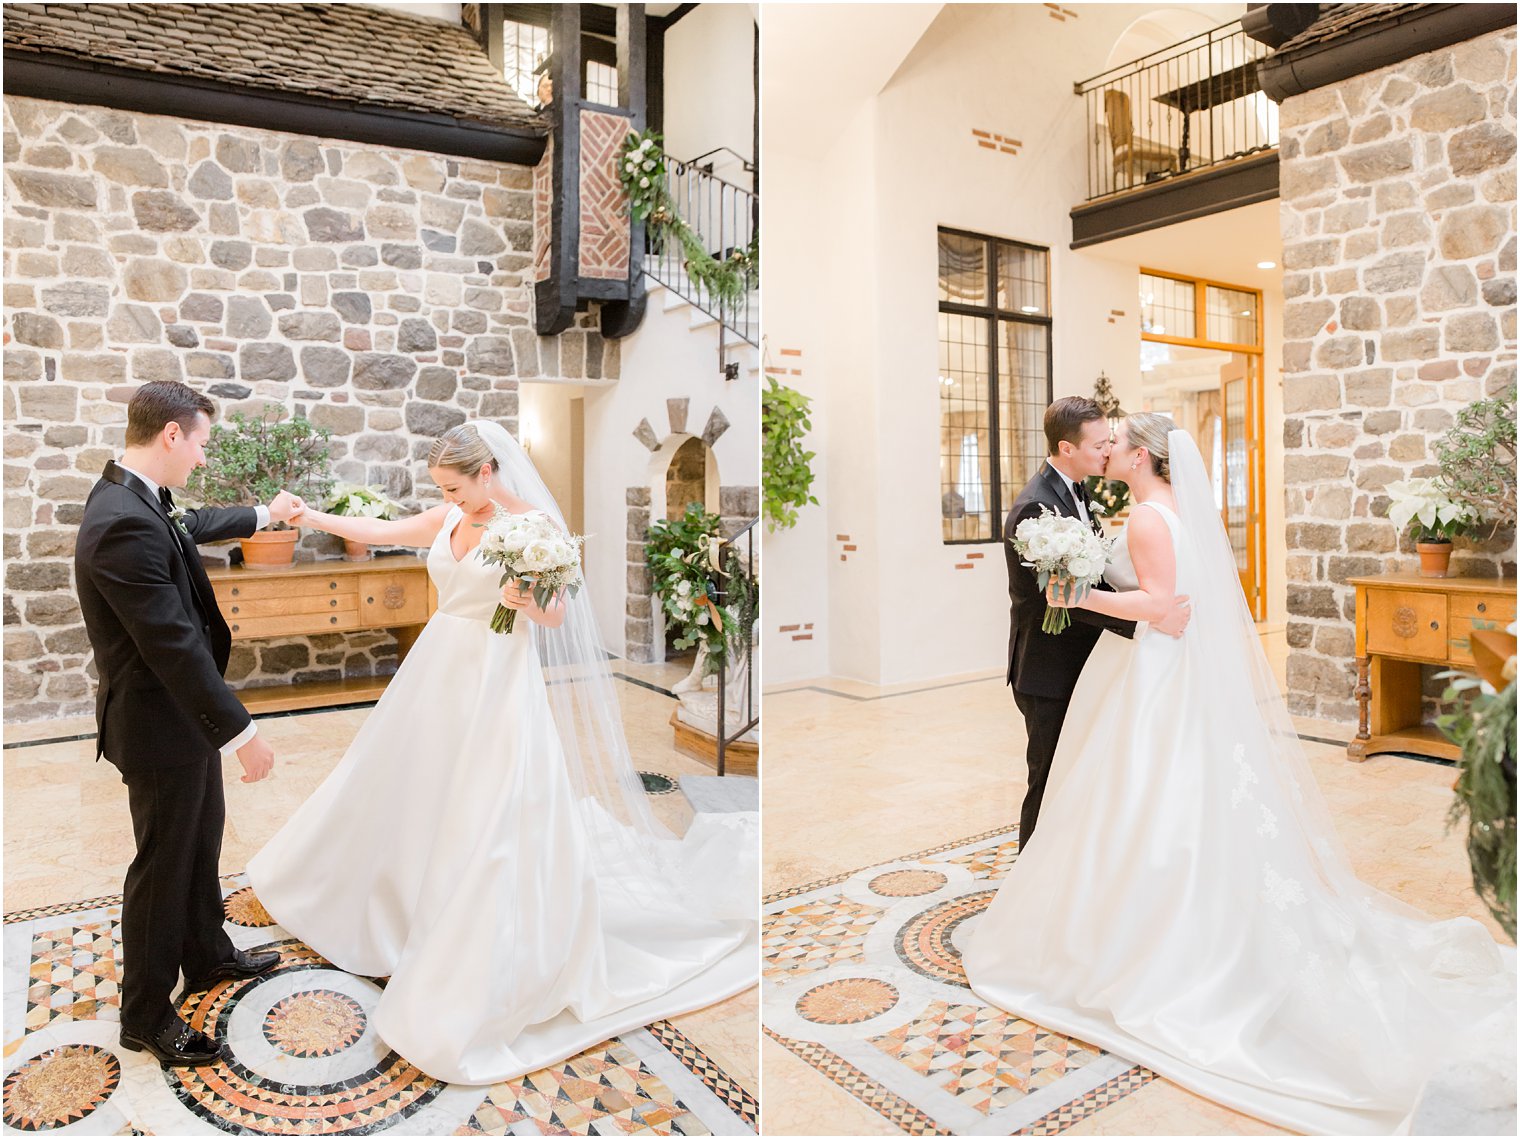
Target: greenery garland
x=786 y=466
x=1483 y=726
x=678 y=555
x=641 y=169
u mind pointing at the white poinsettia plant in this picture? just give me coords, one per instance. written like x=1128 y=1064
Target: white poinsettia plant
x=353 y=501
x=1425 y=507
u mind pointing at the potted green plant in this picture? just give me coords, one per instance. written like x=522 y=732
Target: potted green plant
x=1425 y=506
x=1477 y=457
x=1482 y=723
x=354 y=501
x=249 y=461
x=787 y=466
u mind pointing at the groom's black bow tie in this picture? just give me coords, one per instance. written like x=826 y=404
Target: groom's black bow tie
x=166 y=498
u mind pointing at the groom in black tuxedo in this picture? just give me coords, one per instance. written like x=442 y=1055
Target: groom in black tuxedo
x=1043 y=668
x=164 y=715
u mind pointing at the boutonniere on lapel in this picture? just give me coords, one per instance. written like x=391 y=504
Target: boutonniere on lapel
x=1096 y=507
x=177 y=516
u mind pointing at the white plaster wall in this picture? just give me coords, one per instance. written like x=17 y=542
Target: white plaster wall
x=710 y=86
x=446 y=13
x=543 y=421
x=665 y=359
x=851 y=277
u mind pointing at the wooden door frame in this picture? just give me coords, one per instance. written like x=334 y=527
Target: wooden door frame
x=1256 y=417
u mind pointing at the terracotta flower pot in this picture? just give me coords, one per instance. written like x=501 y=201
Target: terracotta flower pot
x=355 y=551
x=1435 y=558
x=270 y=548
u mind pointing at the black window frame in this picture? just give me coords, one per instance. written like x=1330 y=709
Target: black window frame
x=993 y=315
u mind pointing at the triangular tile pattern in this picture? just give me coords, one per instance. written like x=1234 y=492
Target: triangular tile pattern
x=983 y=1056
x=738 y=1099
x=608 y=1083
x=59 y=1087
x=815 y=935
x=73 y=973
x=605 y=228
x=990 y=862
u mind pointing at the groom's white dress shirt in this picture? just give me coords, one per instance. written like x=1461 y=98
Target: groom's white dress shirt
x=237 y=741
x=1071 y=489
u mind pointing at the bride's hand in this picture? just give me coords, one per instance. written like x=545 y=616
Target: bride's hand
x=517 y=596
x=1056 y=597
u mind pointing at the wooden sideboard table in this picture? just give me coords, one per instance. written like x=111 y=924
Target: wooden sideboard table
x=1403 y=621
x=324 y=597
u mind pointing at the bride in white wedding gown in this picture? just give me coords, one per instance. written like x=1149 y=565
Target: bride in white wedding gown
x=1186 y=905
x=485 y=842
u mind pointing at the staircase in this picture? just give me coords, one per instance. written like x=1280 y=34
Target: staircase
x=725 y=217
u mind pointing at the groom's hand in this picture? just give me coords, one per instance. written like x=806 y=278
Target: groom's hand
x=257 y=758
x=285 y=506
x=1177 y=617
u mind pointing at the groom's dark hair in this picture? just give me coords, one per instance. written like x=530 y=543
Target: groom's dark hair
x=158 y=403
x=1065 y=417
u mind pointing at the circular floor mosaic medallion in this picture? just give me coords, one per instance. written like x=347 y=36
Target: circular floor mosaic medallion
x=317 y=1022
x=849 y=1001
x=244 y=908
x=657 y=784
x=926 y=943
x=234 y=1098
x=907 y=883
x=59 y=1087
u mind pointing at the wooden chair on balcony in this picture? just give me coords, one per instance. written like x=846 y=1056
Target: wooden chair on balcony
x=1134 y=157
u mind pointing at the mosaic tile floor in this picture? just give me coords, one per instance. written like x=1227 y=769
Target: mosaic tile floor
x=863 y=982
x=298 y=1055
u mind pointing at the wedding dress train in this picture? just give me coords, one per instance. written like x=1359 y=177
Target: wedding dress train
x=1185 y=906
x=451 y=851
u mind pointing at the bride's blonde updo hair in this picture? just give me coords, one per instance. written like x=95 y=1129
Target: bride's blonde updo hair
x=1149 y=429
x=461 y=449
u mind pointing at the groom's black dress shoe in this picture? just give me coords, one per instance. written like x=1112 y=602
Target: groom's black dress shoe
x=242 y=964
x=176 y=1044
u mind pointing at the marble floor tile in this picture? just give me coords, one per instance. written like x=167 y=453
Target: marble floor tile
x=857 y=775
x=67 y=837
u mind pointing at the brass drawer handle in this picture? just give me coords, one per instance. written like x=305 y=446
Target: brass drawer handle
x=235 y=628
x=369 y=601
x=1483 y=607
x=333 y=603
x=235 y=609
x=236 y=591
x=1435 y=624
x=332 y=585
x=332 y=620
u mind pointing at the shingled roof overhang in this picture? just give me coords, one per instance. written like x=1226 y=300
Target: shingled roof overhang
x=329 y=71
x=1352 y=39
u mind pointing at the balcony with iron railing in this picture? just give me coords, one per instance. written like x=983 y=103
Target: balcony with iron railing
x=1188 y=114
x=724 y=218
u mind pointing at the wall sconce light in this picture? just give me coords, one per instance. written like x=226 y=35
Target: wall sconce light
x=525 y=432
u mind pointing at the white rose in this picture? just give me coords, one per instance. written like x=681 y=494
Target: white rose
x=684 y=588
x=648 y=165
x=647 y=144
x=644 y=183
x=537 y=556
x=703 y=617
x=1079 y=566
x=1039 y=546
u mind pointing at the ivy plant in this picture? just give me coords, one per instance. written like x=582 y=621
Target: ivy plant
x=786 y=466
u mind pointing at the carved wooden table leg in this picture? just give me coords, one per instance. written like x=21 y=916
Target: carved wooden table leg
x=1356 y=750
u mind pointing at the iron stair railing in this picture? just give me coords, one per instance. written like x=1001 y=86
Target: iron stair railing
x=726 y=220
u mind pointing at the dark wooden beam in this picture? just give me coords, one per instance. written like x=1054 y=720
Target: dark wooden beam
x=65 y=79
x=555 y=298
x=620 y=317
x=1226 y=187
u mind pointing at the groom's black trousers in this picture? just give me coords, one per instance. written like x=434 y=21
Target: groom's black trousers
x=1043 y=716
x=171 y=914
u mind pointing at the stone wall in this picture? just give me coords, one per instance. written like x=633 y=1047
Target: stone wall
x=382 y=293
x=1398 y=192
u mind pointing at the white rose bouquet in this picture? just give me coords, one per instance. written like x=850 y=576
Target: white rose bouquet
x=1066 y=551
x=531 y=548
